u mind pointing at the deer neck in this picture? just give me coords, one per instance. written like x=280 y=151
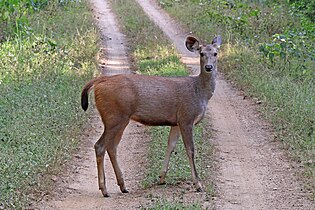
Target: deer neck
x=207 y=82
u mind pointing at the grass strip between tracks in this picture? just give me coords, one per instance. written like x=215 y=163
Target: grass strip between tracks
x=153 y=54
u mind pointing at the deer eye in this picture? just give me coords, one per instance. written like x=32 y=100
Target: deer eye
x=215 y=54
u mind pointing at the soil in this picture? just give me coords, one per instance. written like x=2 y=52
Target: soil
x=251 y=169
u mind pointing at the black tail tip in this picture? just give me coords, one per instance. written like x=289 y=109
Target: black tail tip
x=84 y=108
x=84 y=105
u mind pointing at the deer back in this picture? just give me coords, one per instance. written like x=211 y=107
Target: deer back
x=150 y=100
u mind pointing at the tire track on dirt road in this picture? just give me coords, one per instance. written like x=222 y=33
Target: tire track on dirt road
x=81 y=191
x=252 y=171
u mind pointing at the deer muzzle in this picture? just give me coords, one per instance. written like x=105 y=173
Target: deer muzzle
x=209 y=68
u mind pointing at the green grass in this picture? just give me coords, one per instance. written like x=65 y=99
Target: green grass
x=270 y=60
x=154 y=55
x=179 y=165
x=41 y=75
x=166 y=205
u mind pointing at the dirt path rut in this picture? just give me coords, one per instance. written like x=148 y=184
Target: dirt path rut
x=80 y=191
x=252 y=171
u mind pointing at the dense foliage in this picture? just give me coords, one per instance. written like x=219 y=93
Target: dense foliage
x=306 y=7
x=14 y=14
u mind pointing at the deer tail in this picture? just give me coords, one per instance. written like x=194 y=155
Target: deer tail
x=85 y=94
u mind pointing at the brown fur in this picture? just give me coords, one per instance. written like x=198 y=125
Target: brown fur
x=179 y=102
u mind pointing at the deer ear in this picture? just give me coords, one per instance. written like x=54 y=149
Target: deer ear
x=217 y=41
x=192 y=44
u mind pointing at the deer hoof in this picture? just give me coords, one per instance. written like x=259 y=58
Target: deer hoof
x=199 y=189
x=161 y=183
x=125 y=191
x=105 y=194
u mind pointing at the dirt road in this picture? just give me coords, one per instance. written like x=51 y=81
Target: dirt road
x=81 y=190
x=251 y=170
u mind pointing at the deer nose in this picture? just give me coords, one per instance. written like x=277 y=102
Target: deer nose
x=209 y=67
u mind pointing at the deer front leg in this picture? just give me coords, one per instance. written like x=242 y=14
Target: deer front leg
x=172 y=140
x=100 y=153
x=187 y=134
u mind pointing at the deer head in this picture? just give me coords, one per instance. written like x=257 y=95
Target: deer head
x=208 y=53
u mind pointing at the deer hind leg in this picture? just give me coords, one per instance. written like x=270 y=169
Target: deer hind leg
x=172 y=140
x=114 y=136
x=100 y=150
x=187 y=134
x=109 y=142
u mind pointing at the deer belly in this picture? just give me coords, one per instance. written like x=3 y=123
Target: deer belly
x=155 y=122
x=155 y=118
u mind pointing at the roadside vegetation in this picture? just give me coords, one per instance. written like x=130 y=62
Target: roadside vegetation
x=153 y=54
x=47 y=51
x=269 y=53
x=165 y=205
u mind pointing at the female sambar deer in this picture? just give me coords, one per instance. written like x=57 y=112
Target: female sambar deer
x=179 y=102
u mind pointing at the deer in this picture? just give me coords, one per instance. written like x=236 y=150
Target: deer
x=178 y=102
